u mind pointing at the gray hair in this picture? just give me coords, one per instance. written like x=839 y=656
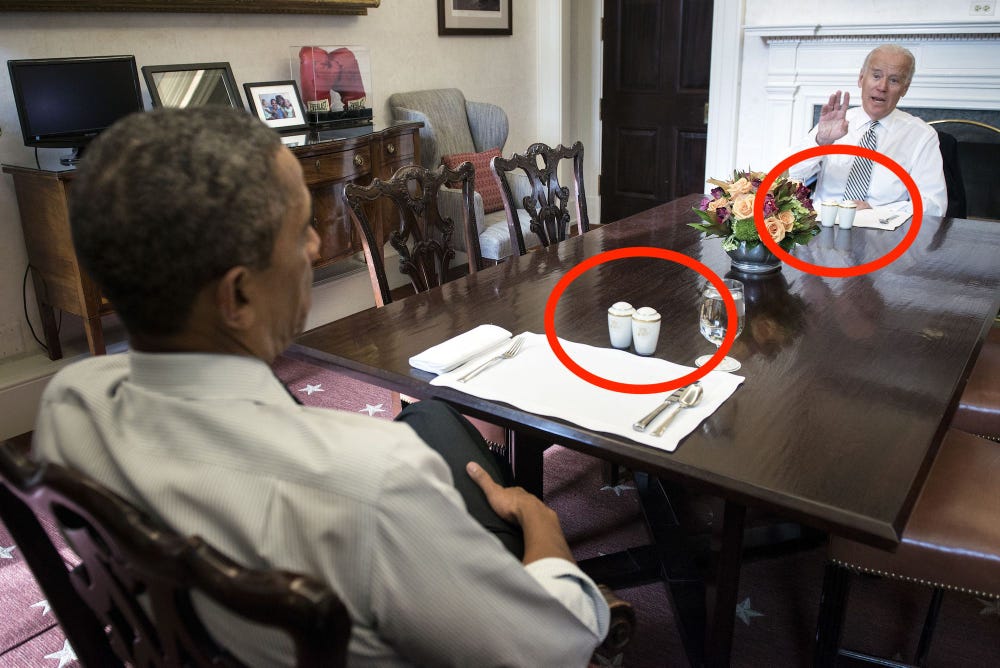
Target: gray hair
x=894 y=49
x=165 y=202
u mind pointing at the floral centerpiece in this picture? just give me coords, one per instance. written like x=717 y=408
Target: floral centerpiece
x=728 y=213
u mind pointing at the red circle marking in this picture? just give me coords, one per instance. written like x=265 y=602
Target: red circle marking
x=618 y=254
x=840 y=272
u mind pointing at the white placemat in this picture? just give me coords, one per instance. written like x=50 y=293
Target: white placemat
x=536 y=381
x=894 y=215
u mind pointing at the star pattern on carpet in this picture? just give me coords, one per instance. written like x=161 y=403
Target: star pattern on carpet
x=44 y=605
x=615 y=662
x=309 y=389
x=65 y=655
x=745 y=612
x=372 y=410
x=617 y=489
x=989 y=607
x=5 y=552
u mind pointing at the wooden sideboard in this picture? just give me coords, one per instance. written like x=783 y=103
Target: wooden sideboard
x=328 y=166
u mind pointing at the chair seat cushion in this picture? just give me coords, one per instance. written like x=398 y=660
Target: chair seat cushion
x=979 y=408
x=952 y=538
x=486 y=185
x=494 y=241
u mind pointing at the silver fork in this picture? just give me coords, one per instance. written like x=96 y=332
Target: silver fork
x=884 y=221
x=512 y=350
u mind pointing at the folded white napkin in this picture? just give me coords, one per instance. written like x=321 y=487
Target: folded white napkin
x=899 y=212
x=536 y=381
x=460 y=349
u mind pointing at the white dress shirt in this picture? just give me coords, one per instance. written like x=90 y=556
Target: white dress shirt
x=214 y=445
x=905 y=138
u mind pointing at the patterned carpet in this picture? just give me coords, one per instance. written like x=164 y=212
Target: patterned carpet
x=778 y=600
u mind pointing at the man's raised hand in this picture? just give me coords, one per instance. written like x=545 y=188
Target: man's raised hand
x=832 y=119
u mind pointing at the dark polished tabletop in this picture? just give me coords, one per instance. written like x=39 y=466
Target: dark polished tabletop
x=850 y=382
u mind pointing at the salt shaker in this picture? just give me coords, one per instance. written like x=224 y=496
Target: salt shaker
x=645 y=330
x=620 y=324
x=846 y=216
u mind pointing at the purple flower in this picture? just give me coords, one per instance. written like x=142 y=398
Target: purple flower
x=718 y=192
x=802 y=193
x=755 y=183
x=770 y=208
x=722 y=213
x=807 y=203
x=704 y=203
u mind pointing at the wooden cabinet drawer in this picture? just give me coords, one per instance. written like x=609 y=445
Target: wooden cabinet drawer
x=397 y=146
x=335 y=166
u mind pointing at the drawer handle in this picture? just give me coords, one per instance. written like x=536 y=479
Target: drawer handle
x=317 y=164
x=390 y=148
x=359 y=160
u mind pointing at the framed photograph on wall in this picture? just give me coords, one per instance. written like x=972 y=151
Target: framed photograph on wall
x=277 y=103
x=474 y=17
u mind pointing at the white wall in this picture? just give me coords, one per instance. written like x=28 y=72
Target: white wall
x=407 y=54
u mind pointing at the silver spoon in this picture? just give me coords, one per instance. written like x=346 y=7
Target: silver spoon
x=692 y=395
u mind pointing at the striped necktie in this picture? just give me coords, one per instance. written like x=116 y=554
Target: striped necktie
x=861 y=170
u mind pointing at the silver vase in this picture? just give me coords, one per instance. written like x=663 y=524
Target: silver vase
x=756 y=260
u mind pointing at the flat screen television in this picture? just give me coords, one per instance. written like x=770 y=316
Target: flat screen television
x=66 y=102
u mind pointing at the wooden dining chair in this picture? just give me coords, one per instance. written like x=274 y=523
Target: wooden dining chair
x=423 y=234
x=129 y=601
x=951 y=541
x=541 y=215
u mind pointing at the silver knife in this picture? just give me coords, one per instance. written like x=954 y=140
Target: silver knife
x=644 y=422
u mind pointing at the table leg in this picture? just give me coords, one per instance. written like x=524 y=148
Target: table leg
x=722 y=584
x=95 y=335
x=526 y=461
x=50 y=331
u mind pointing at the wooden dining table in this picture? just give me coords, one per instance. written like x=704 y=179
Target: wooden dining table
x=850 y=382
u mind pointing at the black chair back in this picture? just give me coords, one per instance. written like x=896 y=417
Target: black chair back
x=952 y=175
x=129 y=558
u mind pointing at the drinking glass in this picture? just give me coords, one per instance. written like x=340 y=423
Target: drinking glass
x=713 y=321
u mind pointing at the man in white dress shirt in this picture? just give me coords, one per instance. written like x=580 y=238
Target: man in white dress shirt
x=884 y=79
x=196 y=225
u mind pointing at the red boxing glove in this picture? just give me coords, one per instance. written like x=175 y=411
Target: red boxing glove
x=348 y=83
x=322 y=72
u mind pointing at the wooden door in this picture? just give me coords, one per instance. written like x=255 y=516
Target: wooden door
x=654 y=110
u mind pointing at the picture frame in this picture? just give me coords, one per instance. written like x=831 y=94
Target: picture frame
x=192 y=85
x=278 y=104
x=474 y=17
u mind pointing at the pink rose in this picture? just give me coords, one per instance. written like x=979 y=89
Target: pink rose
x=739 y=187
x=715 y=204
x=743 y=206
x=787 y=219
x=775 y=228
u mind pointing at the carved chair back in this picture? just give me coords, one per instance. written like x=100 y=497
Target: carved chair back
x=424 y=234
x=548 y=203
x=129 y=600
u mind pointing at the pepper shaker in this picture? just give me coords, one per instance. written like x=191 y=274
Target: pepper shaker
x=645 y=330
x=620 y=325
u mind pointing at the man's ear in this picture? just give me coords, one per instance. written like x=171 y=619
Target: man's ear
x=232 y=298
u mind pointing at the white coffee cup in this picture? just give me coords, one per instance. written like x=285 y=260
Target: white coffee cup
x=620 y=325
x=846 y=216
x=828 y=216
x=645 y=330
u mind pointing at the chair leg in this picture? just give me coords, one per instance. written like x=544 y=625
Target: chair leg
x=930 y=623
x=610 y=473
x=832 y=607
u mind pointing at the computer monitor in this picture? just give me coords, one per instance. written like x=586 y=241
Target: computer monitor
x=66 y=102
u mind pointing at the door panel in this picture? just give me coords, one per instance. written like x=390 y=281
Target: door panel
x=656 y=71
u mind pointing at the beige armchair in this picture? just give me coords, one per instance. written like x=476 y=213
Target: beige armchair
x=454 y=125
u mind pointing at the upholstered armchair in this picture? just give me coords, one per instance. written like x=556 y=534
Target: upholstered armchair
x=456 y=130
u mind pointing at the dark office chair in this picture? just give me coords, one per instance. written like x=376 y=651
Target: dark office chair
x=952 y=175
x=127 y=555
x=978 y=150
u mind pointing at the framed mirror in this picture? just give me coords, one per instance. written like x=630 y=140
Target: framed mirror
x=192 y=85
